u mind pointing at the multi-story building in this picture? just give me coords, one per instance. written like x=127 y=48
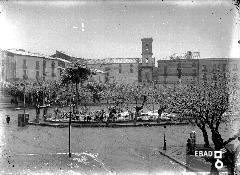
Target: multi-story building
x=187 y=68
x=175 y=71
x=194 y=71
x=117 y=70
x=21 y=64
x=219 y=70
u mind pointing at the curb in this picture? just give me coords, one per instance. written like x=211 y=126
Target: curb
x=179 y=162
x=110 y=125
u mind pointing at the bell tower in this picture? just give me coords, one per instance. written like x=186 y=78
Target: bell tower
x=147 y=59
x=148 y=62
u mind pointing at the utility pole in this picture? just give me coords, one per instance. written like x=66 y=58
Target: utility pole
x=70 y=122
x=164 y=139
x=69 y=144
x=24 y=99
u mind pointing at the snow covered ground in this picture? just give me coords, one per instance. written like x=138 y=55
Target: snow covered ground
x=43 y=150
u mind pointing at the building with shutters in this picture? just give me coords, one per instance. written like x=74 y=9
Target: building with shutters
x=19 y=64
x=117 y=70
x=219 y=71
x=186 y=68
x=177 y=71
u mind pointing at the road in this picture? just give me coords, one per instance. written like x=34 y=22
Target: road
x=40 y=150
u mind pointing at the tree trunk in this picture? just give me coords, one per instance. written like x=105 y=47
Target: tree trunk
x=205 y=136
x=217 y=139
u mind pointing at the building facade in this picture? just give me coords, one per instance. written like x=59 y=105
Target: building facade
x=219 y=71
x=20 y=64
x=117 y=70
x=177 y=71
x=187 y=68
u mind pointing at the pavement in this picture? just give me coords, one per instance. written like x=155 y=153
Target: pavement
x=126 y=150
x=178 y=155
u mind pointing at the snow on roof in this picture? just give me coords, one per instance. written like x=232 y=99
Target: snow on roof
x=27 y=53
x=98 y=71
x=189 y=54
x=63 y=60
x=67 y=54
x=112 y=61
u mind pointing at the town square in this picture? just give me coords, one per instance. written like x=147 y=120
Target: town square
x=121 y=87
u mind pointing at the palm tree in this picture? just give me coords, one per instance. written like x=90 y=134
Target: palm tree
x=75 y=74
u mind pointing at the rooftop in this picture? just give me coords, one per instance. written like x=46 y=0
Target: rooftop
x=27 y=53
x=112 y=61
x=63 y=60
x=98 y=71
x=186 y=55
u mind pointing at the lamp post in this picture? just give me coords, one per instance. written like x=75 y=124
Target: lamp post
x=164 y=139
x=70 y=121
x=24 y=98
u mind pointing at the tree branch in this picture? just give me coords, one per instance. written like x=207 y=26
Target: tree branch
x=231 y=139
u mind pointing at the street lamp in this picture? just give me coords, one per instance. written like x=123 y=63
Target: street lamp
x=70 y=121
x=24 y=97
x=164 y=139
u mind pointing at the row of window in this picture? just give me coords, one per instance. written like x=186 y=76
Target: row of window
x=214 y=67
x=182 y=64
x=38 y=65
x=218 y=68
x=25 y=74
x=120 y=68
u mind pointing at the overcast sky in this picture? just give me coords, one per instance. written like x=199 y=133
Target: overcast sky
x=104 y=29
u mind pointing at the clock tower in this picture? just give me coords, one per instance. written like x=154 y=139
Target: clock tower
x=148 y=62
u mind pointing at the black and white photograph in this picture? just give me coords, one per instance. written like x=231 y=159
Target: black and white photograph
x=122 y=87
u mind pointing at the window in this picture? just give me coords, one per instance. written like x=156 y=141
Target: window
x=24 y=64
x=224 y=67
x=214 y=67
x=204 y=68
x=147 y=60
x=179 y=65
x=120 y=68
x=44 y=63
x=3 y=73
x=194 y=64
x=131 y=68
x=25 y=76
x=61 y=72
x=53 y=64
x=24 y=72
x=235 y=68
x=37 y=65
x=37 y=74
